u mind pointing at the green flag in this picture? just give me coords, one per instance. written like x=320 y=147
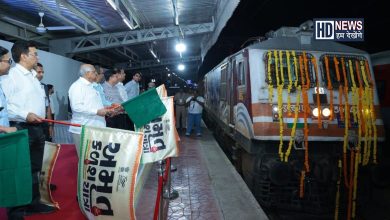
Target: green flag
x=15 y=169
x=144 y=108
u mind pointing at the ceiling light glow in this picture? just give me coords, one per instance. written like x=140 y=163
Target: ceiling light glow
x=180 y=47
x=181 y=67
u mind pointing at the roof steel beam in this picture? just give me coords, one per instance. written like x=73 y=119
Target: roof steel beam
x=132 y=16
x=120 y=39
x=129 y=53
x=58 y=14
x=96 y=58
x=163 y=62
x=81 y=15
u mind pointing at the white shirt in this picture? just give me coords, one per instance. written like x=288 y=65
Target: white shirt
x=24 y=94
x=122 y=91
x=85 y=102
x=132 y=89
x=195 y=107
x=51 y=99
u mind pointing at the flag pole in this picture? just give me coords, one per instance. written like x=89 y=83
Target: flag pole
x=61 y=122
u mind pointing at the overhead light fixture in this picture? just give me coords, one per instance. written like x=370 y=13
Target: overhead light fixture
x=181 y=67
x=175 y=12
x=153 y=53
x=180 y=47
x=169 y=75
x=113 y=5
x=127 y=22
x=158 y=60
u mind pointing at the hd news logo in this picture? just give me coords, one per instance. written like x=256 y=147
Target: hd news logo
x=339 y=29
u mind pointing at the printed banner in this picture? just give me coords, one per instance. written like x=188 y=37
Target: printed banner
x=108 y=167
x=50 y=155
x=160 y=140
x=162 y=91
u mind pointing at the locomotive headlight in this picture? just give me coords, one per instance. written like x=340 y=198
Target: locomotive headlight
x=326 y=112
x=274 y=108
x=315 y=112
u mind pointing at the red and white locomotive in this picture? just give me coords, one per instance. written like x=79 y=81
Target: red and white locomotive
x=304 y=117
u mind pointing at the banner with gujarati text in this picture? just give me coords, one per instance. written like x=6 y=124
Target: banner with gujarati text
x=108 y=166
x=160 y=140
x=162 y=91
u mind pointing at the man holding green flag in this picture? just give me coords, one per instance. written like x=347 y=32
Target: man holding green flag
x=26 y=109
x=5 y=64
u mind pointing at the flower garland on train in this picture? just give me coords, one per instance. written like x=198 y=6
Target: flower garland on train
x=361 y=108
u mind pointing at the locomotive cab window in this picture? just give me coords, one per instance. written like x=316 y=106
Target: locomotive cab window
x=241 y=74
x=222 y=91
x=341 y=68
x=279 y=69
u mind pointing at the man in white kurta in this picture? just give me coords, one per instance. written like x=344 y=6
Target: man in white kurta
x=86 y=104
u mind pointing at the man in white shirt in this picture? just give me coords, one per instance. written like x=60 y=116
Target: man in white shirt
x=86 y=104
x=5 y=64
x=47 y=127
x=132 y=87
x=26 y=109
x=195 y=105
x=122 y=90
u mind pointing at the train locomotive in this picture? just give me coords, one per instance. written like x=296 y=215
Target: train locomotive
x=302 y=117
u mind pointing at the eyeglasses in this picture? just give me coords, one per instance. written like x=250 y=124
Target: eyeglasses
x=35 y=54
x=9 y=61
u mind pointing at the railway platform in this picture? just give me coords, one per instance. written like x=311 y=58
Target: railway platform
x=208 y=185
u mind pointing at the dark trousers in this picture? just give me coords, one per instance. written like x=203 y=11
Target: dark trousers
x=45 y=127
x=36 y=143
x=120 y=121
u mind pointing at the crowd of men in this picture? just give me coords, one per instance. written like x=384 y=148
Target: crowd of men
x=25 y=104
x=94 y=98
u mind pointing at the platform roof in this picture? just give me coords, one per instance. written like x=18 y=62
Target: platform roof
x=99 y=33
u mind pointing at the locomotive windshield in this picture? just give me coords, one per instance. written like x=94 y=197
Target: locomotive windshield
x=297 y=67
x=340 y=69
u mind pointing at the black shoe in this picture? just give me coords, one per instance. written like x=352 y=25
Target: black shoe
x=39 y=208
x=17 y=213
x=53 y=187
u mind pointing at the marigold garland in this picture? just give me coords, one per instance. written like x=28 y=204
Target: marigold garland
x=280 y=103
x=355 y=95
x=361 y=123
x=313 y=60
x=302 y=184
x=330 y=87
x=355 y=183
x=307 y=109
x=295 y=69
x=289 y=87
x=346 y=124
x=372 y=110
x=341 y=109
x=293 y=130
x=305 y=62
x=281 y=66
x=270 y=85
